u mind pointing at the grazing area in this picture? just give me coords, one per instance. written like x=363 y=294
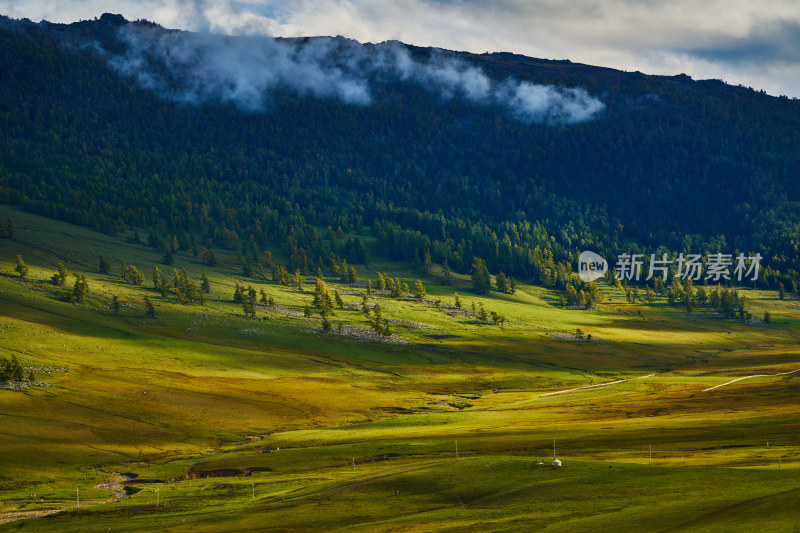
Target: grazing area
x=138 y=407
x=256 y=283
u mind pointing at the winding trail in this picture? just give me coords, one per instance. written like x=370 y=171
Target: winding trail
x=593 y=386
x=753 y=376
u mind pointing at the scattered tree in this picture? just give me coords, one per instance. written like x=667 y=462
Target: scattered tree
x=103 y=266
x=80 y=290
x=60 y=277
x=481 y=280
x=419 y=290
x=22 y=269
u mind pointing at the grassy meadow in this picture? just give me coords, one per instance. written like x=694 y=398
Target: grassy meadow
x=200 y=419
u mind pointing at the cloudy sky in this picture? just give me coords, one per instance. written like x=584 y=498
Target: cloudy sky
x=756 y=44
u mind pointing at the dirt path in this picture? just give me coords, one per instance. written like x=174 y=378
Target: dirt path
x=594 y=386
x=23 y=515
x=753 y=376
x=114 y=486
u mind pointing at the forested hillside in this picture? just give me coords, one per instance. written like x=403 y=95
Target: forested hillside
x=693 y=166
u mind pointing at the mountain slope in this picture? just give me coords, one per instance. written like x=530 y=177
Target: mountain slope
x=693 y=166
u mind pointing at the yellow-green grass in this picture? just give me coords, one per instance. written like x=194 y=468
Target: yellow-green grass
x=479 y=493
x=202 y=389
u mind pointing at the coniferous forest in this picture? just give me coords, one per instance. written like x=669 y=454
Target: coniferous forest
x=669 y=164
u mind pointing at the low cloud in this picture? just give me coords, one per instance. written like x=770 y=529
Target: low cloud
x=710 y=39
x=199 y=68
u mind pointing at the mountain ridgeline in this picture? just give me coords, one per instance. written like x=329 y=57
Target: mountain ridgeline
x=246 y=143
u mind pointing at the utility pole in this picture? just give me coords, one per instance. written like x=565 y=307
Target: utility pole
x=77 y=499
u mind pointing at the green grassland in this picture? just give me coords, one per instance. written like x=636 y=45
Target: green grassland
x=224 y=423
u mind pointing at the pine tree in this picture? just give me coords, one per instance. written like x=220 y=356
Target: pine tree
x=326 y=322
x=238 y=294
x=456 y=300
x=209 y=257
x=249 y=306
x=447 y=276
x=338 y=299
x=60 y=277
x=381 y=283
x=15 y=369
x=481 y=312
x=322 y=297
x=21 y=268
x=781 y=291
x=115 y=304
x=501 y=282
x=427 y=264
x=307 y=311
x=369 y=287
x=572 y=295
x=103 y=266
x=403 y=286
x=150 y=309
x=80 y=290
x=205 y=285
x=419 y=290
x=481 y=280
